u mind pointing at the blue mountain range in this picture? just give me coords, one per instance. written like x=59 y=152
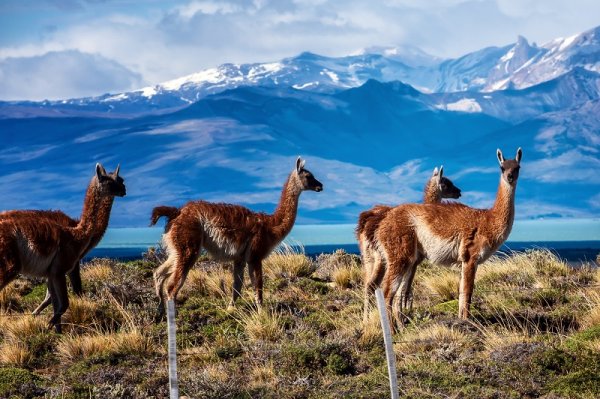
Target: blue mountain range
x=372 y=127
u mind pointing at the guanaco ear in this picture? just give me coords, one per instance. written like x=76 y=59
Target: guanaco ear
x=519 y=155
x=500 y=156
x=100 y=171
x=441 y=171
x=117 y=170
x=435 y=172
x=299 y=164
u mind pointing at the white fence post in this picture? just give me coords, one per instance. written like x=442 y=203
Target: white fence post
x=387 y=340
x=172 y=345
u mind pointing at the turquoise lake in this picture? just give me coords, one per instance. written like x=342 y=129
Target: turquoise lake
x=559 y=230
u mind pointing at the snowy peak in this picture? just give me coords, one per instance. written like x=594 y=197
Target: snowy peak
x=518 y=56
x=469 y=72
x=552 y=60
x=408 y=55
x=520 y=65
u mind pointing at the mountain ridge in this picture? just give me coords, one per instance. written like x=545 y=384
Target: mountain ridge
x=514 y=66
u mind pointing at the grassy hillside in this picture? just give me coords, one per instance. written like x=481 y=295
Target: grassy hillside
x=535 y=333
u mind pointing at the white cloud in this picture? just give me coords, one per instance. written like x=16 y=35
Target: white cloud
x=14 y=154
x=163 y=43
x=207 y=7
x=533 y=209
x=572 y=166
x=595 y=201
x=64 y=74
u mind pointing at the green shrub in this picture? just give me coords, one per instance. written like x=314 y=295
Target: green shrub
x=313 y=286
x=19 y=383
x=339 y=365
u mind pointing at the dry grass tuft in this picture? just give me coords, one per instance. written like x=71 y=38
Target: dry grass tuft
x=20 y=328
x=533 y=268
x=264 y=376
x=73 y=348
x=541 y=262
x=82 y=311
x=594 y=345
x=506 y=272
x=545 y=262
x=15 y=354
x=329 y=263
x=195 y=282
x=261 y=325
x=494 y=340
x=17 y=332
x=133 y=342
x=433 y=337
x=97 y=270
x=288 y=262
x=76 y=347
x=371 y=330
x=9 y=296
x=444 y=283
x=218 y=282
x=216 y=373
x=347 y=276
x=592 y=317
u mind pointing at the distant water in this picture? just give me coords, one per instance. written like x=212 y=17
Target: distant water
x=572 y=239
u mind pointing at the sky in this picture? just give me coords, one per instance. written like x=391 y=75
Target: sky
x=53 y=49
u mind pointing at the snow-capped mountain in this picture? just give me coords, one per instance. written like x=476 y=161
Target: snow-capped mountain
x=556 y=58
x=517 y=66
x=406 y=54
x=307 y=72
x=520 y=65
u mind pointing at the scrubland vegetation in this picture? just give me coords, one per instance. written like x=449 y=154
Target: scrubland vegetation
x=535 y=332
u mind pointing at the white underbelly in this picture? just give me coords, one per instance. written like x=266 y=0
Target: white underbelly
x=219 y=246
x=440 y=250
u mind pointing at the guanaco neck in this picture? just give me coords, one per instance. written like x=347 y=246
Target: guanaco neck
x=95 y=214
x=503 y=212
x=285 y=215
x=432 y=194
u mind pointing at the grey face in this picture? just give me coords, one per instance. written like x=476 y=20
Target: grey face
x=111 y=184
x=448 y=189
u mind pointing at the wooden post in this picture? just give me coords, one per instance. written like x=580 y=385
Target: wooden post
x=387 y=340
x=172 y=345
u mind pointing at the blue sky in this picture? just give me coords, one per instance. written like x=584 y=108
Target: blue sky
x=68 y=48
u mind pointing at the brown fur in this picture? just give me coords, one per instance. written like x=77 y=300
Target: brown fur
x=46 y=244
x=437 y=188
x=228 y=232
x=447 y=234
x=170 y=212
x=62 y=219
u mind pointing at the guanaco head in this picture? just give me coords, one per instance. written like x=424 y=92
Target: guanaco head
x=110 y=184
x=510 y=167
x=307 y=180
x=445 y=187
